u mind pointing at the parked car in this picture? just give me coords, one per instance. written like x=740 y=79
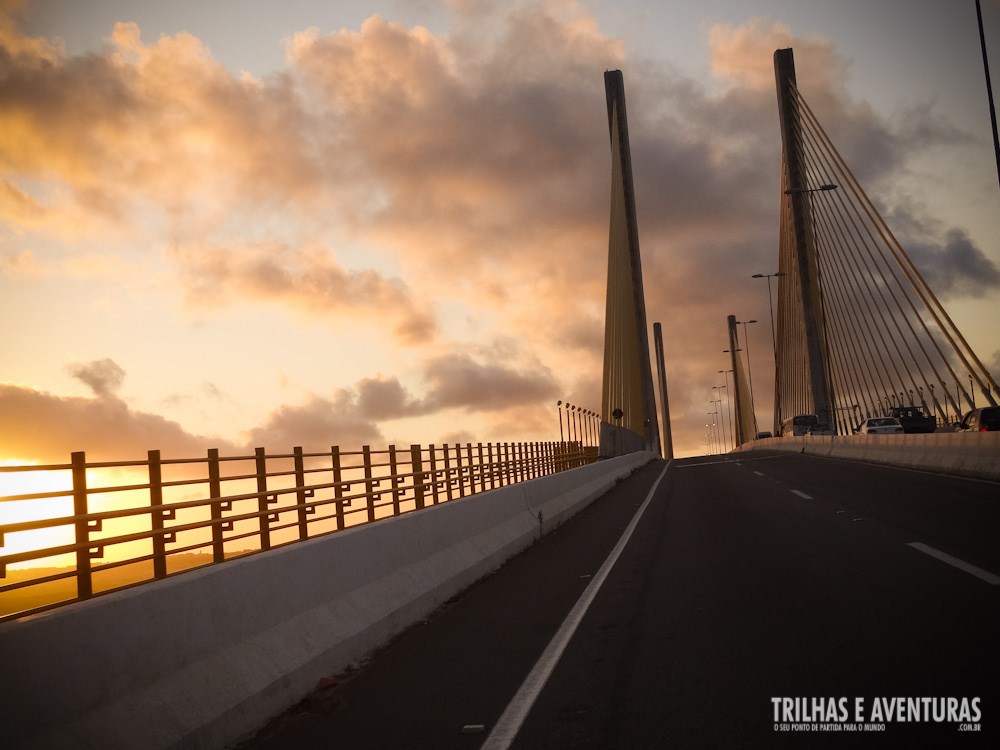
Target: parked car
x=984 y=419
x=881 y=426
x=913 y=418
x=762 y=435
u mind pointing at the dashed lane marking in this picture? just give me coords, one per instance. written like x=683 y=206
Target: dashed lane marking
x=983 y=575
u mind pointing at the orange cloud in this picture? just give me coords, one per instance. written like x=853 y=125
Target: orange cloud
x=310 y=281
x=40 y=426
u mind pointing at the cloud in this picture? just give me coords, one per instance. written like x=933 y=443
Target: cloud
x=380 y=399
x=456 y=380
x=318 y=424
x=40 y=426
x=309 y=281
x=355 y=416
x=103 y=376
x=956 y=269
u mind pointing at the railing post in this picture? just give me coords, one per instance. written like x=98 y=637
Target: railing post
x=338 y=489
x=215 y=506
x=301 y=493
x=417 y=466
x=459 y=470
x=369 y=485
x=447 y=473
x=493 y=468
x=262 y=499
x=435 y=486
x=156 y=514
x=472 y=468
x=482 y=468
x=84 y=582
x=394 y=480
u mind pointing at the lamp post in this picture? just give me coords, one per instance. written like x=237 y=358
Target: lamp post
x=559 y=409
x=736 y=389
x=803 y=191
x=770 y=305
x=746 y=345
x=721 y=388
x=774 y=345
x=729 y=398
x=720 y=417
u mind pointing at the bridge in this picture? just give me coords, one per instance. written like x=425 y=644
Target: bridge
x=590 y=592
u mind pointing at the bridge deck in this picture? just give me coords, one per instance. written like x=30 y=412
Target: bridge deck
x=745 y=580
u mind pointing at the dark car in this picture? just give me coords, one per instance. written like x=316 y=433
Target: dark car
x=913 y=418
x=986 y=419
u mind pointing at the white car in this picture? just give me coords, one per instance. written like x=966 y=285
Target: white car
x=881 y=426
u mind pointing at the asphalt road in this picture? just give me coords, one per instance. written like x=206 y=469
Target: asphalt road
x=745 y=580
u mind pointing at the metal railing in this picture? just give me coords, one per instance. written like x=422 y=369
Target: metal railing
x=110 y=525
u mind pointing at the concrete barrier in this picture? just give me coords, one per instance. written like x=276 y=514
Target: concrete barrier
x=970 y=454
x=202 y=659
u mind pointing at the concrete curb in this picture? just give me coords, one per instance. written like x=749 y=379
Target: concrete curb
x=200 y=660
x=969 y=454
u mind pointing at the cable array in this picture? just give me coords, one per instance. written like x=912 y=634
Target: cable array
x=887 y=340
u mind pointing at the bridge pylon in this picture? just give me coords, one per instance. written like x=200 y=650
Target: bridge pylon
x=628 y=404
x=813 y=392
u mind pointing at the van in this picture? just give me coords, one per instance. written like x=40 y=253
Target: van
x=799 y=425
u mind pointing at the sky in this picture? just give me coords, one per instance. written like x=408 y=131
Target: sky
x=233 y=224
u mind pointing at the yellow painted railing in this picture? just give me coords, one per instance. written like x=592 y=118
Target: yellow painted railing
x=85 y=528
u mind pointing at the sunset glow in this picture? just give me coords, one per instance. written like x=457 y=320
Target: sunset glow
x=374 y=223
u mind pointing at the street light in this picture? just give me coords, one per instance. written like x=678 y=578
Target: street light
x=770 y=306
x=803 y=191
x=720 y=416
x=774 y=346
x=746 y=344
x=729 y=401
x=725 y=388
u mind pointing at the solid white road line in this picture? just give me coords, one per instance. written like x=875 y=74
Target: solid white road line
x=983 y=575
x=509 y=723
x=803 y=495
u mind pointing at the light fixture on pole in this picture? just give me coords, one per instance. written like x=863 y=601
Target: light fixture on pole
x=803 y=191
x=719 y=388
x=770 y=305
x=729 y=400
x=746 y=345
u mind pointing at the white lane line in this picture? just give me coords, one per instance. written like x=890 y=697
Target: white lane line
x=759 y=473
x=509 y=723
x=803 y=495
x=983 y=575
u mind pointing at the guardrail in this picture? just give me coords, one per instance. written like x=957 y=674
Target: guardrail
x=154 y=518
